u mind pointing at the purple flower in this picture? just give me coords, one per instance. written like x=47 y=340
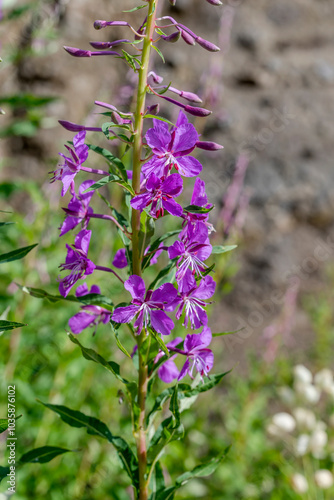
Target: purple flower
x=198 y=355
x=89 y=315
x=120 y=261
x=172 y=148
x=160 y=193
x=193 y=222
x=192 y=253
x=192 y=299
x=72 y=164
x=147 y=306
x=157 y=252
x=78 y=209
x=76 y=262
x=168 y=371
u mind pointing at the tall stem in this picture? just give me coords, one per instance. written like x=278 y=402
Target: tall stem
x=136 y=251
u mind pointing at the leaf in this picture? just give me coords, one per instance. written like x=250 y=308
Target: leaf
x=131 y=60
x=161 y=343
x=107 y=180
x=202 y=470
x=212 y=382
x=157 y=481
x=42 y=455
x=116 y=162
x=155 y=245
x=174 y=406
x=26 y=100
x=226 y=333
x=161 y=275
x=4 y=423
x=223 y=249
x=167 y=432
x=161 y=400
x=194 y=209
x=16 y=254
x=9 y=325
x=6 y=223
x=161 y=118
x=3 y=472
x=159 y=52
x=118 y=342
x=97 y=428
x=92 y=355
x=136 y=8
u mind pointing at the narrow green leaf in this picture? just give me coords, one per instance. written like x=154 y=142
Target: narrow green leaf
x=202 y=470
x=116 y=162
x=158 y=51
x=157 y=480
x=6 y=223
x=92 y=355
x=9 y=325
x=118 y=342
x=226 y=333
x=161 y=118
x=89 y=299
x=161 y=275
x=213 y=380
x=107 y=180
x=155 y=245
x=194 y=209
x=160 y=341
x=136 y=8
x=16 y=254
x=42 y=455
x=131 y=60
x=223 y=249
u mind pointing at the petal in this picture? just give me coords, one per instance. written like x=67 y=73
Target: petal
x=189 y=166
x=199 y=196
x=154 y=165
x=141 y=201
x=207 y=358
x=166 y=293
x=86 y=197
x=79 y=139
x=67 y=179
x=153 y=183
x=184 y=138
x=136 y=286
x=69 y=224
x=172 y=185
x=201 y=319
x=184 y=370
x=176 y=249
x=175 y=342
x=95 y=289
x=187 y=283
x=120 y=261
x=81 y=290
x=168 y=371
x=204 y=252
x=192 y=341
x=206 y=336
x=82 y=240
x=139 y=323
x=161 y=322
x=206 y=288
x=172 y=207
x=159 y=136
x=182 y=119
x=124 y=314
x=80 y=321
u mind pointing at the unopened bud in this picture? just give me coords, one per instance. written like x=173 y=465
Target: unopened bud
x=209 y=146
x=284 y=421
x=299 y=483
x=87 y=53
x=211 y=47
x=73 y=127
x=172 y=38
x=197 y=111
x=107 y=45
x=324 y=479
x=215 y=2
x=153 y=110
x=187 y=38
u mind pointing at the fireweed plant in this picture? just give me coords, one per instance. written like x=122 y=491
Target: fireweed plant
x=162 y=159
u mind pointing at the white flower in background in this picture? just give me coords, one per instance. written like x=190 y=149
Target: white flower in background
x=302 y=444
x=324 y=479
x=318 y=441
x=302 y=374
x=299 y=483
x=305 y=418
x=287 y=395
x=309 y=392
x=324 y=379
x=284 y=422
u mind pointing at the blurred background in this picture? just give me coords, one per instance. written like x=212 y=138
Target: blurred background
x=272 y=92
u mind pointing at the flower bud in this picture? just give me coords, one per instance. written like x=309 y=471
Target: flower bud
x=211 y=47
x=73 y=127
x=172 y=38
x=197 y=111
x=107 y=45
x=98 y=25
x=324 y=479
x=156 y=78
x=209 y=146
x=318 y=441
x=87 y=53
x=187 y=38
x=284 y=421
x=153 y=110
x=215 y=2
x=302 y=374
x=299 y=483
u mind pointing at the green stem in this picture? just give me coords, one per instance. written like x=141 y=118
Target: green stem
x=136 y=251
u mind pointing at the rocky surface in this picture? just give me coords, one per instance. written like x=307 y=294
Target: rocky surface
x=272 y=87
